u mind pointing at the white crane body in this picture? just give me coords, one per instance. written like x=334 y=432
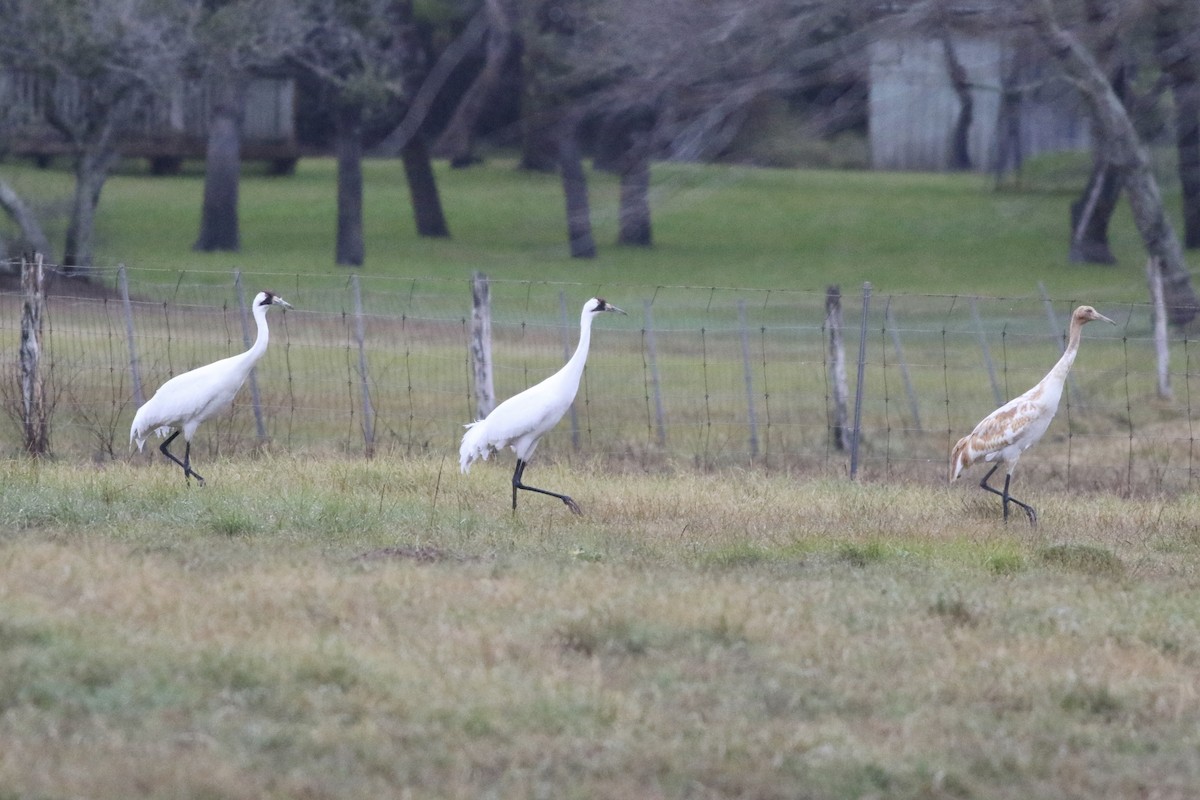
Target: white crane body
x=1014 y=427
x=188 y=399
x=522 y=420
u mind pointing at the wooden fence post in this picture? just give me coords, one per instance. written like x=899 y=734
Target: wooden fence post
x=481 y=345
x=360 y=336
x=35 y=414
x=1162 y=354
x=839 y=431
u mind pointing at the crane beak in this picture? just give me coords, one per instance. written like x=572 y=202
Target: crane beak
x=611 y=307
x=279 y=301
x=1106 y=319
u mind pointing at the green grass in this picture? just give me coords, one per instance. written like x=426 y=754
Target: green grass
x=348 y=628
x=713 y=226
x=315 y=624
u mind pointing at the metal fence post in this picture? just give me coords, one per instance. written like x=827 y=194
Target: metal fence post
x=134 y=368
x=652 y=350
x=890 y=321
x=856 y=435
x=997 y=393
x=566 y=338
x=751 y=411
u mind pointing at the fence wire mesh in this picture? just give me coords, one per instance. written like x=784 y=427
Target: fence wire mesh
x=693 y=376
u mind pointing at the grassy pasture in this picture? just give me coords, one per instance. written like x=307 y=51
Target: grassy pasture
x=391 y=628
x=313 y=624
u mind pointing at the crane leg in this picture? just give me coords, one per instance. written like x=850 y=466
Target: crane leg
x=186 y=464
x=1006 y=498
x=517 y=484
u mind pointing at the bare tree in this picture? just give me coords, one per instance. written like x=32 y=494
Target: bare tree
x=234 y=38
x=501 y=47
x=356 y=49
x=99 y=63
x=1176 y=40
x=1120 y=149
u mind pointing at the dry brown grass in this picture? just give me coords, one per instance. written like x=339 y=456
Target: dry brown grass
x=335 y=628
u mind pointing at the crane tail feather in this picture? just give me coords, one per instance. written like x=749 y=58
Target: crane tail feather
x=474 y=445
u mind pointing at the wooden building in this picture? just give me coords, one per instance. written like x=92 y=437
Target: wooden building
x=169 y=131
x=1020 y=106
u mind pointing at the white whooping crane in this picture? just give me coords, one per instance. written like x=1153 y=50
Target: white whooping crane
x=1012 y=428
x=188 y=399
x=521 y=420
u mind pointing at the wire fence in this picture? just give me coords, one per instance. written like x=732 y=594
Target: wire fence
x=698 y=377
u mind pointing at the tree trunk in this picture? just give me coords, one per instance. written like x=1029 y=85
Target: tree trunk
x=349 y=132
x=635 y=180
x=1090 y=215
x=91 y=171
x=635 y=201
x=458 y=137
x=222 y=169
x=960 y=150
x=574 y=182
x=31 y=230
x=1174 y=26
x=422 y=188
x=1119 y=146
x=1091 y=212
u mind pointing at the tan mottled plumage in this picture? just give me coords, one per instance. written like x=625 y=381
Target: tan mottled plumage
x=1012 y=428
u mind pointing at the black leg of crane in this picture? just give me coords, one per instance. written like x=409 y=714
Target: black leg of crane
x=186 y=464
x=1006 y=498
x=517 y=484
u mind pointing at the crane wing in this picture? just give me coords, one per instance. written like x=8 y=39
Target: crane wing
x=1021 y=420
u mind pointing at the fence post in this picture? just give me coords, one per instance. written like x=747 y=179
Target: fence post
x=35 y=417
x=652 y=349
x=255 y=398
x=360 y=336
x=134 y=367
x=997 y=394
x=481 y=345
x=751 y=412
x=566 y=338
x=908 y=387
x=837 y=367
x=858 y=387
x=1154 y=276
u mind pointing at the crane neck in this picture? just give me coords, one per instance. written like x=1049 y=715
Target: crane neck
x=264 y=335
x=1074 y=334
x=575 y=364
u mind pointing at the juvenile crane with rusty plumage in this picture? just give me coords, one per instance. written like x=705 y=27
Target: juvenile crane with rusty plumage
x=1012 y=428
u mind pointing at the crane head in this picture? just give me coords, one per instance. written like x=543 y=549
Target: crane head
x=270 y=298
x=598 y=305
x=1088 y=314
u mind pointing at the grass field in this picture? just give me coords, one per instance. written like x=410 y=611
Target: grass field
x=723 y=226
x=315 y=625
x=371 y=629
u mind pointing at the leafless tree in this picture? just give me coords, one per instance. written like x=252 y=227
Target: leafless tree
x=100 y=63
x=1119 y=147
x=233 y=38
